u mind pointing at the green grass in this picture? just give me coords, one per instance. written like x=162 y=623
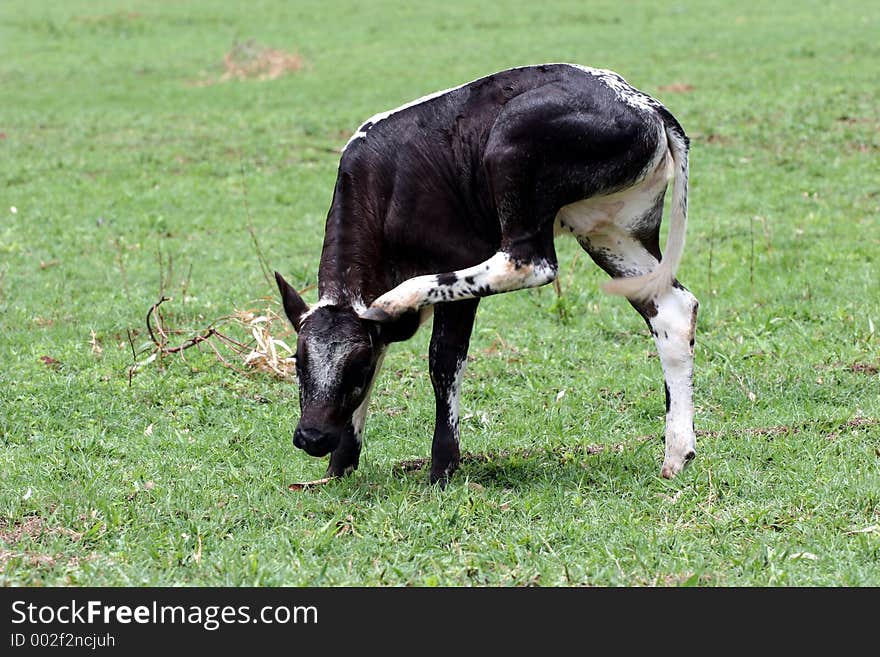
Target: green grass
x=111 y=152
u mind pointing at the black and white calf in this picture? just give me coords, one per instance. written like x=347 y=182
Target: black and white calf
x=459 y=195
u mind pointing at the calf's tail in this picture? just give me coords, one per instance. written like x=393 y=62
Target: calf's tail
x=650 y=285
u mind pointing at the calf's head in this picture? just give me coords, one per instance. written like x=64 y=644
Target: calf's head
x=337 y=354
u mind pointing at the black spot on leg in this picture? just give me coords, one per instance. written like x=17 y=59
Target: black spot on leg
x=666 y=388
x=469 y=280
x=447 y=279
x=692 y=342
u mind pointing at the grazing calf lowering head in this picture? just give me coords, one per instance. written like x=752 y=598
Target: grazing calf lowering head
x=337 y=356
x=458 y=196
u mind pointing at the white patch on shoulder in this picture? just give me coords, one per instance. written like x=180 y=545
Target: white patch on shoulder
x=624 y=90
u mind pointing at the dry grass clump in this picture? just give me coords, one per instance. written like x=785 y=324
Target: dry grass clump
x=245 y=340
x=268 y=353
x=253 y=61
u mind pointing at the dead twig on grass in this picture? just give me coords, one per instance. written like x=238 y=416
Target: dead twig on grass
x=305 y=485
x=259 y=351
x=162 y=344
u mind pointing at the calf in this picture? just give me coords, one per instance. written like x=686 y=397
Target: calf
x=459 y=195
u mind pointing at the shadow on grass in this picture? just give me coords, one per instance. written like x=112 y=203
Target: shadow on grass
x=612 y=466
x=565 y=465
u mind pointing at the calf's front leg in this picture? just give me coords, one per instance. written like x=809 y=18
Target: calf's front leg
x=450 y=338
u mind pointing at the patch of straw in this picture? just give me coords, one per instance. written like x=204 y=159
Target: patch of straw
x=268 y=354
x=250 y=339
x=253 y=61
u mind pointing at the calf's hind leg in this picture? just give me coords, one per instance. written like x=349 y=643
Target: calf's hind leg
x=671 y=316
x=453 y=323
x=526 y=256
x=503 y=272
x=673 y=325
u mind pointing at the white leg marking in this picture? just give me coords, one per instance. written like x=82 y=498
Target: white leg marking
x=500 y=273
x=673 y=328
x=453 y=397
x=619 y=249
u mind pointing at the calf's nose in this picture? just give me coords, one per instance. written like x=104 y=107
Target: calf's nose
x=314 y=441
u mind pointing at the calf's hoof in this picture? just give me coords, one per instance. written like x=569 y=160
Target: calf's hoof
x=672 y=465
x=342 y=463
x=335 y=472
x=441 y=476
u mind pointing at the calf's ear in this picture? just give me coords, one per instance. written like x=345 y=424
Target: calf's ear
x=396 y=330
x=294 y=306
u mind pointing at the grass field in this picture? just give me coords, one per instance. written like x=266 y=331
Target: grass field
x=121 y=144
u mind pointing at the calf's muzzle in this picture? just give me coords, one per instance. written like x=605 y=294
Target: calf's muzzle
x=314 y=441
